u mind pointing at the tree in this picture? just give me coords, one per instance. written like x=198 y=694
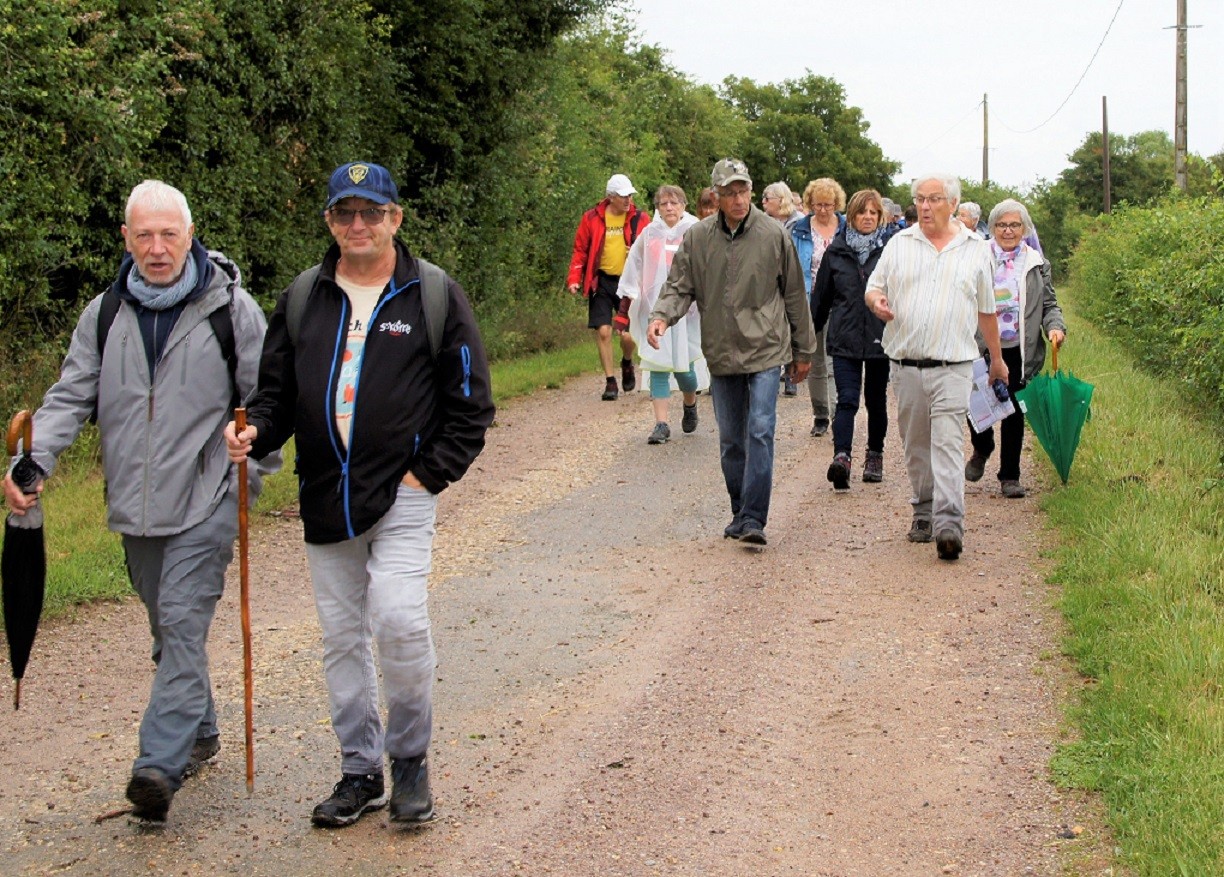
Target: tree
x=802 y=129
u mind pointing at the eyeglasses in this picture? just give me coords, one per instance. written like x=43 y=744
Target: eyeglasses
x=745 y=192
x=823 y=206
x=1009 y=226
x=933 y=200
x=369 y=215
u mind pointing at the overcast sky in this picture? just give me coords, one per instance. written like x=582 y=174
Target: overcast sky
x=918 y=69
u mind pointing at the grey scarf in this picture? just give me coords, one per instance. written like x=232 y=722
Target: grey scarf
x=863 y=244
x=159 y=298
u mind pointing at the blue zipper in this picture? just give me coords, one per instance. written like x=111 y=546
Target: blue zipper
x=466 y=355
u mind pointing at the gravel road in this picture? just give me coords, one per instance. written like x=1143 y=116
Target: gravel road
x=619 y=690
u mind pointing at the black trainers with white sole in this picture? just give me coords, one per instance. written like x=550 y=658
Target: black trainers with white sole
x=352 y=796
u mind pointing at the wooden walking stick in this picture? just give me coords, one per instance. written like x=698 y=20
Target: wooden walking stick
x=244 y=579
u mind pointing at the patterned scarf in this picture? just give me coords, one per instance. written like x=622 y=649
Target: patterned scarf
x=863 y=244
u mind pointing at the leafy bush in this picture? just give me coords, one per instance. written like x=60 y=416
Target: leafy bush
x=1153 y=275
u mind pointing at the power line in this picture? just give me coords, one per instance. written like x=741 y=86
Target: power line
x=1077 y=82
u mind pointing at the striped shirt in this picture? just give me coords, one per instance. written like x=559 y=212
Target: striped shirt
x=935 y=295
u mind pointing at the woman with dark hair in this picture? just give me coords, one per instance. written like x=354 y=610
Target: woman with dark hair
x=707 y=202
x=854 y=333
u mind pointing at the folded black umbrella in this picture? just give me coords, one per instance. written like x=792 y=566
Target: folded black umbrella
x=23 y=561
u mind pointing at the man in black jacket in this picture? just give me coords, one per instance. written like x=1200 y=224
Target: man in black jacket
x=383 y=425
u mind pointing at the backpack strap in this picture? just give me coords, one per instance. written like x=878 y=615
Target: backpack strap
x=436 y=303
x=433 y=297
x=295 y=305
x=106 y=316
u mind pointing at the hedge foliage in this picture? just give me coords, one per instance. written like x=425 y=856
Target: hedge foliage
x=1154 y=276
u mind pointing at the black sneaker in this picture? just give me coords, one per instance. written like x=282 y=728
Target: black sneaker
x=628 y=380
x=150 y=792
x=352 y=796
x=411 y=800
x=975 y=467
x=734 y=530
x=920 y=531
x=839 y=472
x=820 y=425
x=689 y=422
x=948 y=545
x=204 y=750
x=662 y=432
x=752 y=534
x=610 y=393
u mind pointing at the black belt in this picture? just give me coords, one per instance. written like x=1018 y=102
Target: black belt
x=930 y=363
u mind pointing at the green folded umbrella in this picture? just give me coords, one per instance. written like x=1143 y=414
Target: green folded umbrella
x=1057 y=405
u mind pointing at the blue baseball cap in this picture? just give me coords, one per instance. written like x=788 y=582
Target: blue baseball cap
x=361 y=179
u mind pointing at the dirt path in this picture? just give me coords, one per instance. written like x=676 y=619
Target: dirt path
x=620 y=691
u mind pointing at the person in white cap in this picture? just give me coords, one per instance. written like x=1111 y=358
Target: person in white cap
x=601 y=245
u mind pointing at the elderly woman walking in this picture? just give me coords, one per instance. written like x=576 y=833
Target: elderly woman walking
x=853 y=334
x=826 y=200
x=646 y=268
x=1026 y=304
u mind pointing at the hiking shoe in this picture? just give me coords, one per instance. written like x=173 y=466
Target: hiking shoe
x=975 y=467
x=920 y=531
x=820 y=426
x=789 y=388
x=734 y=530
x=204 y=750
x=839 y=472
x=150 y=792
x=1012 y=489
x=948 y=545
x=628 y=380
x=689 y=422
x=610 y=393
x=873 y=467
x=411 y=800
x=352 y=796
x=752 y=533
x=662 y=432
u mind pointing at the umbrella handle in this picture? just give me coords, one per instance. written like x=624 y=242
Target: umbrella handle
x=1054 y=346
x=20 y=427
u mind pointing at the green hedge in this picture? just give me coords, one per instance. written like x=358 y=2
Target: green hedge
x=1154 y=276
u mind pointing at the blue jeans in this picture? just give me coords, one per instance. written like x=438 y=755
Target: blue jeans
x=849 y=375
x=374 y=587
x=746 y=409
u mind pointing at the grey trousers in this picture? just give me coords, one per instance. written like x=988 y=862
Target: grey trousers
x=374 y=587
x=931 y=408
x=821 y=391
x=180 y=579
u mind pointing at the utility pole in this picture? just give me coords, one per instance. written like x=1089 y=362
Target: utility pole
x=986 y=140
x=1105 y=150
x=1179 y=120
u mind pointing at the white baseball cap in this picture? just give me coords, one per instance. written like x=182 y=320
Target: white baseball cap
x=618 y=184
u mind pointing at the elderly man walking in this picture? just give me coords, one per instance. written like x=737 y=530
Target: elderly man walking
x=934 y=286
x=184 y=342
x=605 y=234
x=389 y=402
x=741 y=269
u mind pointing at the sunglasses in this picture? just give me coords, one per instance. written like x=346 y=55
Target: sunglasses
x=369 y=215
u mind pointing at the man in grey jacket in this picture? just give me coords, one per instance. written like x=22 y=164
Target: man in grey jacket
x=163 y=380
x=742 y=270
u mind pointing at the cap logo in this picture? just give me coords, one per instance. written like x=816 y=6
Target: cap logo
x=358 y=172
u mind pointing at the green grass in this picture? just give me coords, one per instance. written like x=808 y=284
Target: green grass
x=85 y=560
x=1141 y=572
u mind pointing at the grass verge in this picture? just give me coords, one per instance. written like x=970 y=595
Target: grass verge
x=1141 y=571
x=85 y=560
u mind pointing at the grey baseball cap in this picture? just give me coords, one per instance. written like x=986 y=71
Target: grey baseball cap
x=728 y=171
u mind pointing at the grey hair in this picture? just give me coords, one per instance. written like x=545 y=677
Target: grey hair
x=951 y=186
x=781 y=191
x=1011 y=205
x=157 y=195
x=974 y=210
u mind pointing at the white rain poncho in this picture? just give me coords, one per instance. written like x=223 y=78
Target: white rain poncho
x=646 y=269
